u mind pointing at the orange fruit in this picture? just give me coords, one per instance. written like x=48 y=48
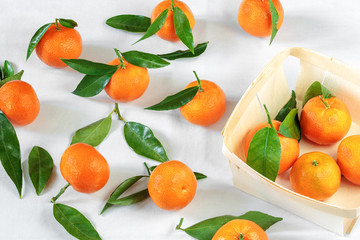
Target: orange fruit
x=208 y=105
x=167 y=31
x=240 y=229
x=172 y=185
x=59 y=43
x=19 y=102
x=127 y=83
x=84 y=168
x=289 y=147
x=325 y=125
x=348 y=158
x=255 y=18
x=315 y=175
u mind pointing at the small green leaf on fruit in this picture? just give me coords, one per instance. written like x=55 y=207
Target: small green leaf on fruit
x=36 y=38
x=274 y=20
x=11 y=78
x=69 y=23
x=316 y=89
x=40 y=168
x=183 y=29
x=8 y=69
x=155 y=26
x=175 y=101
x=74 y=222
x=130 y=23
x=291 y=104
x=94 y=133
x=198 y=50
x=145 y=60
x=264 y=153
x=290 y=127
x=142 y=140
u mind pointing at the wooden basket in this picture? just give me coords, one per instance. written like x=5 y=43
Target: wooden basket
x=337 y=214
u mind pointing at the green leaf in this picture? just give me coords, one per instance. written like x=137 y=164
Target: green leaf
x=199 y=176
x=291 y=104
x=198 y=50
x=206 y=229
x=183 y=29
x=316 y=89
x=92 y=85
x=175 y=101
x=8 y=69
x=1 y=73
x=11 y=78
x=10 y=155
x=142 y=140
x=131 y=23
x=131 y=199
x=89 y=67
x=40 y=168
x=155 y=26
x=274 y=20
x=94 y=133
x=125 y=185
x=264 y=153
x=69 y=23
x=145 y=60
x=74 y=222
x=36 y=38
x=290 y=127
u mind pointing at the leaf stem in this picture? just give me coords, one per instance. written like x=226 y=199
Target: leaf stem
x=53 y=200
x=147 y=169
x=172 y=5
x=199 y=82
x=117 y=111
x=241 y=236
x=118 y=53
x=57 y=24
x=268 y=116
x=178 y=227
x=325 y=103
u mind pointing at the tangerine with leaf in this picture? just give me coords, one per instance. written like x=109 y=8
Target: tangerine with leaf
x=254 y=17
x=19 y=102
x=57 y=40
x=167 y=31
x=325 y=120
x=172 y=185
x=84 y=168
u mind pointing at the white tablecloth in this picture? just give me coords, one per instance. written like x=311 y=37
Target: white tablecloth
x=233 y=60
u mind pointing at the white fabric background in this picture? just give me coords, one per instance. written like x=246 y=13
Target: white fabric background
x=233 y=60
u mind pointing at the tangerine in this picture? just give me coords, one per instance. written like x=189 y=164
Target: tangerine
x=315 y=175
x=240 y=229
x=84 y=168
x=348 y=158
x=325 y=121
x=19 y=102
x=255 y=18
x=289 y=147
x=167 y=31
x=59 y=42
x=172 y=185
x=208 y=105
x=128 y=83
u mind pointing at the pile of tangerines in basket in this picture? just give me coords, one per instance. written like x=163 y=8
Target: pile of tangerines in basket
x=324 y=120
